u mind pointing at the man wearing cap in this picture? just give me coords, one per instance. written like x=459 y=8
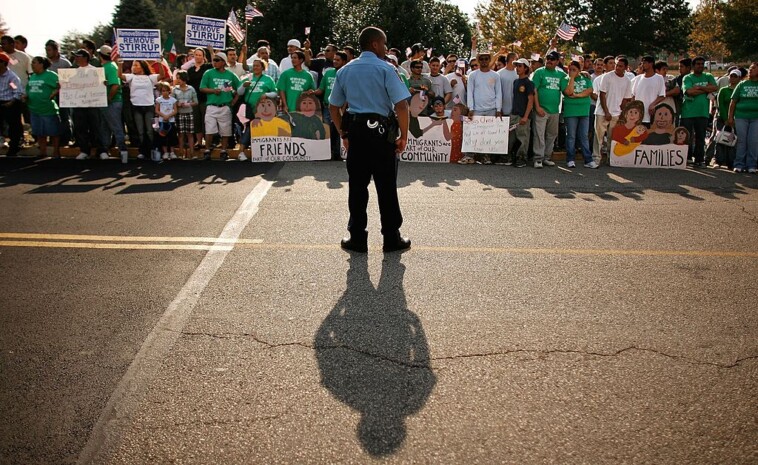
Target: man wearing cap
x=10 y=104
x=220 y=85
x=484 y=97
x=112 y=120
x=375 y=131
x=649 y=88
x=549 y=83
x=88 y=120
x=522 y=97
x=292 y=46
x=417 y=53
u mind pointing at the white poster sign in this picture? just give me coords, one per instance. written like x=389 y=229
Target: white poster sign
x=82 y=88
x=486 y=134
x=649 y=156
x=139 y=44
x=201 y=32
x=429 y=140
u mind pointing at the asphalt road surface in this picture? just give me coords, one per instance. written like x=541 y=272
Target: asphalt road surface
x=196 y=312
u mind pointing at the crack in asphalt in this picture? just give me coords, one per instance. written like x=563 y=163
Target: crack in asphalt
x=425 y=363
x=752 y=217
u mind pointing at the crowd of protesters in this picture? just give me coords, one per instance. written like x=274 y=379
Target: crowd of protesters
x=201 y=100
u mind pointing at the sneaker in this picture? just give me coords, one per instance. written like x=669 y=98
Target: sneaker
x=140 y=156
x=548 y=162
x=172 y=156
x=124 y=157
x=165 y=156
x=486 y=160
x=538 y=164
x=508 y=162
x=466 y=160
x=752 y=170
x=241 y=157
x=207 y=155
x=104 y=156
x=593 y=165
x=503 y=160
x=520 y=163
x=224 y=155
x=82 y=156
x=571 y=164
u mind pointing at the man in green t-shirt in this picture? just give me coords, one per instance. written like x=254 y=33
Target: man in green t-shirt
x=294 y=81
x=696 y=107
x=112 y=121
x=220 y=85
x=324 y=90
x=548 y=82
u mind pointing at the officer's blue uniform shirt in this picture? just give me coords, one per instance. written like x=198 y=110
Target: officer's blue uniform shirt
x=370 y=84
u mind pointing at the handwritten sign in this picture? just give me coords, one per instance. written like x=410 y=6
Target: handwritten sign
x=82 y=88
x=201 y=32
x=139 y=44
x=486 y=134
x=429 y=141
x=651 y=156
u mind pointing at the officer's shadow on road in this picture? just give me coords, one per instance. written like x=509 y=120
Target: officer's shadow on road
x=373 y=354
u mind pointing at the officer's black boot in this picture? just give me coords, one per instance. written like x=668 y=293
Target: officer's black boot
x=394 y=242
x=355 y=243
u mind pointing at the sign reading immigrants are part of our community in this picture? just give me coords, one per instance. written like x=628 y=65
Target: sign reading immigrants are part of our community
x=82 y=88
x=201 y=32
x=139 y=44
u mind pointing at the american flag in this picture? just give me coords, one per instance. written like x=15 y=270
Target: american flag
x=252 y=12
x=234 y=27
x=566 y=31
x=114 y=49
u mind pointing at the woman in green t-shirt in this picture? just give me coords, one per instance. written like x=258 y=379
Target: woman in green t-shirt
x=576 y=114
x=252 y=88
x=40 y=97
x=743 y=117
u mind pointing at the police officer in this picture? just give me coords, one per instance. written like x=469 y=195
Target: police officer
x=374 y=131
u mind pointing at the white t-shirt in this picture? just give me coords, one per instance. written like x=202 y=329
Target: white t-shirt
x=647 y=89
x=616 y=88
x=141 y=88
x=440 y=85
x=459 y=89
x=21 y=64
x=166 y=107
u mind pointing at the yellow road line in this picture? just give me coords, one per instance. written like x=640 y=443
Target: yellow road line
x=85 y=237
x=111 y=245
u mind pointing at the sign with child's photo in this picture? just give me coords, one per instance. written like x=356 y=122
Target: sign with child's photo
x=635 y=146
x=294 y=136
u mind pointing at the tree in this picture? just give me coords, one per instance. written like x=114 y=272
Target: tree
x=705 y=38
x=738 y=28
x=632 y=27
x=173 y=14
x=138 y=14
x=504 y=22
x=71 y=41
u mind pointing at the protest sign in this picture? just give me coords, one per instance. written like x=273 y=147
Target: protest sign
x=486 y=134
x=82 y=88
x=650 y=156
x=633 y=145
x=428 y=141
x=296 y=136
x=139 y=44
x=201 y=32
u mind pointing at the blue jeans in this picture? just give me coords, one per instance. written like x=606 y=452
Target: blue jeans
x=578 y=127
x=747 y=143
x=114 y=123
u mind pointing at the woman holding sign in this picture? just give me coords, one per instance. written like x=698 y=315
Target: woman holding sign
x=141 y=85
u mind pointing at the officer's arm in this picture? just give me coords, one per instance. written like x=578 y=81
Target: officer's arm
x=401 y=110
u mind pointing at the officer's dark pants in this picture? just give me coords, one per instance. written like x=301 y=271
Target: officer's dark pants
x=370 y=155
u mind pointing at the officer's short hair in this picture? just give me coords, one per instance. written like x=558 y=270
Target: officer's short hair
x=369 y=35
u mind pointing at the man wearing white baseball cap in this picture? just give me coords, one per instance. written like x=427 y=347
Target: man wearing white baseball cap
x=292 y=46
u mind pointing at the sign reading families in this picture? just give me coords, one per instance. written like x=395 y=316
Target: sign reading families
x=82 y=88
x=201 y=32
x=650 y=156
x=139 y=44
x=486 y=134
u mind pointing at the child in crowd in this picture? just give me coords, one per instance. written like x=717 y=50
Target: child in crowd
x=166 y=108
x=186 y=98
x=457 y=114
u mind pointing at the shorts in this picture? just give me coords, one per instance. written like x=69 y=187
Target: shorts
x=46 y=125
x=218 y=120
x=185 y=123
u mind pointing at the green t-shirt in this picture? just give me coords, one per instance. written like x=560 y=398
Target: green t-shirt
x=327 y=84
x=724 y=97
x=38 y=90
x=111 y=78
x=293 y=83
x=699 y=105
x=225 y=80
x=549 y=84
x=746 y=96
x=257 y=88
x=577 y=106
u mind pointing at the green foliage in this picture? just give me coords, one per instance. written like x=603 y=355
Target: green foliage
x=71 y=41
x=140 y=14
x=738 y=28
x=705 y=38
x=173 y=15
x=506 y=21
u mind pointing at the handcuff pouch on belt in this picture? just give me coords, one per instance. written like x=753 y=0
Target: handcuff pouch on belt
x=384 y=127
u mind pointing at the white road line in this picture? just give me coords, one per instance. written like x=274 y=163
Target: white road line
x=125 y=399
